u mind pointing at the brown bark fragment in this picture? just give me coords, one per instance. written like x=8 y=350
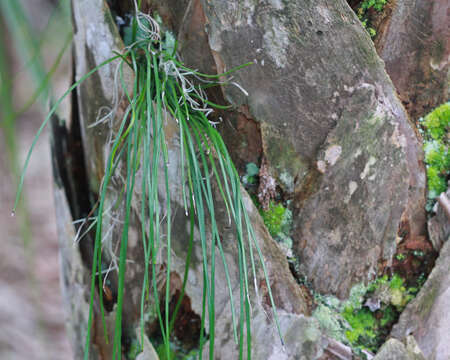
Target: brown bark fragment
x=415 y=47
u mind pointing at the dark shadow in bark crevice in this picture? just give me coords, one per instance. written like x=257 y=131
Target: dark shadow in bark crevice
x=69 y=172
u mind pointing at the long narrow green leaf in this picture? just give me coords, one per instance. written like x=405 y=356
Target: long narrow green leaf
x=98 y=231
x=24 y=37
x=46 y=80
x=44 y=124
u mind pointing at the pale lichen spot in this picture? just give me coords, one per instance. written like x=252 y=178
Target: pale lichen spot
x=332 y=154
x=366 y=170
x=277 y=4
x=287 y=180
x=276 y=39
x=398 y=139
x=335 y=237
x=323 y=11
x=352 y=186
x=321 y=166
x=349 y=89
x=215 y=41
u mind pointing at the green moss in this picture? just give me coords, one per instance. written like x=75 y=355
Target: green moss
x=330 y=322
x=356 y=296
x=274 y=218
x=284 y=159
x=278 y=220
x=354 y=323
x=363 y=326
x=390 y=314
x=251 y=173
x=396 y=283
x=435 y=128
x=437 y=122
x=400 y=296
x=363 y=13
x=176 y=352
x=400 y=257
x=376 y=284
x=437 y=158
x=134 y=350
x=376 y=4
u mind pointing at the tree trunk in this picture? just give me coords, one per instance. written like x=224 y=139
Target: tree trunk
x=322 y=113
x=321 y=97
x=415 y=46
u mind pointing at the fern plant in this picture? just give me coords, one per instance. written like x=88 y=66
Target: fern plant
x=164 y=86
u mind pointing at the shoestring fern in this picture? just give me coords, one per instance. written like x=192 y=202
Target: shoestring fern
x=163 y=87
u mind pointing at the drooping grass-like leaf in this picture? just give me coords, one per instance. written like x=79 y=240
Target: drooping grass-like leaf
x=17 y=22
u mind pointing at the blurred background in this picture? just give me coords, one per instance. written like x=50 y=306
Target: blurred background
x=34 y=67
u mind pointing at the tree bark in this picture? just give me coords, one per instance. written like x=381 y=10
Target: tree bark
x=415 y=46
x=335 y=136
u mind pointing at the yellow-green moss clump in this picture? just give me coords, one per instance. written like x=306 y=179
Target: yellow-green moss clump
x=436 y=134
x=363 y=12
x=365 y=319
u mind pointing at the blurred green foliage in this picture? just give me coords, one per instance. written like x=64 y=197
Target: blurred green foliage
x=435 y=128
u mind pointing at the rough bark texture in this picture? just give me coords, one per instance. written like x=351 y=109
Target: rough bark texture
x=335 y=137
x=95 y=38
x=415 y=46
x=333 y=131
x=68 y=199
x=427 y=318
x=395 y=350
x=439 y=224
